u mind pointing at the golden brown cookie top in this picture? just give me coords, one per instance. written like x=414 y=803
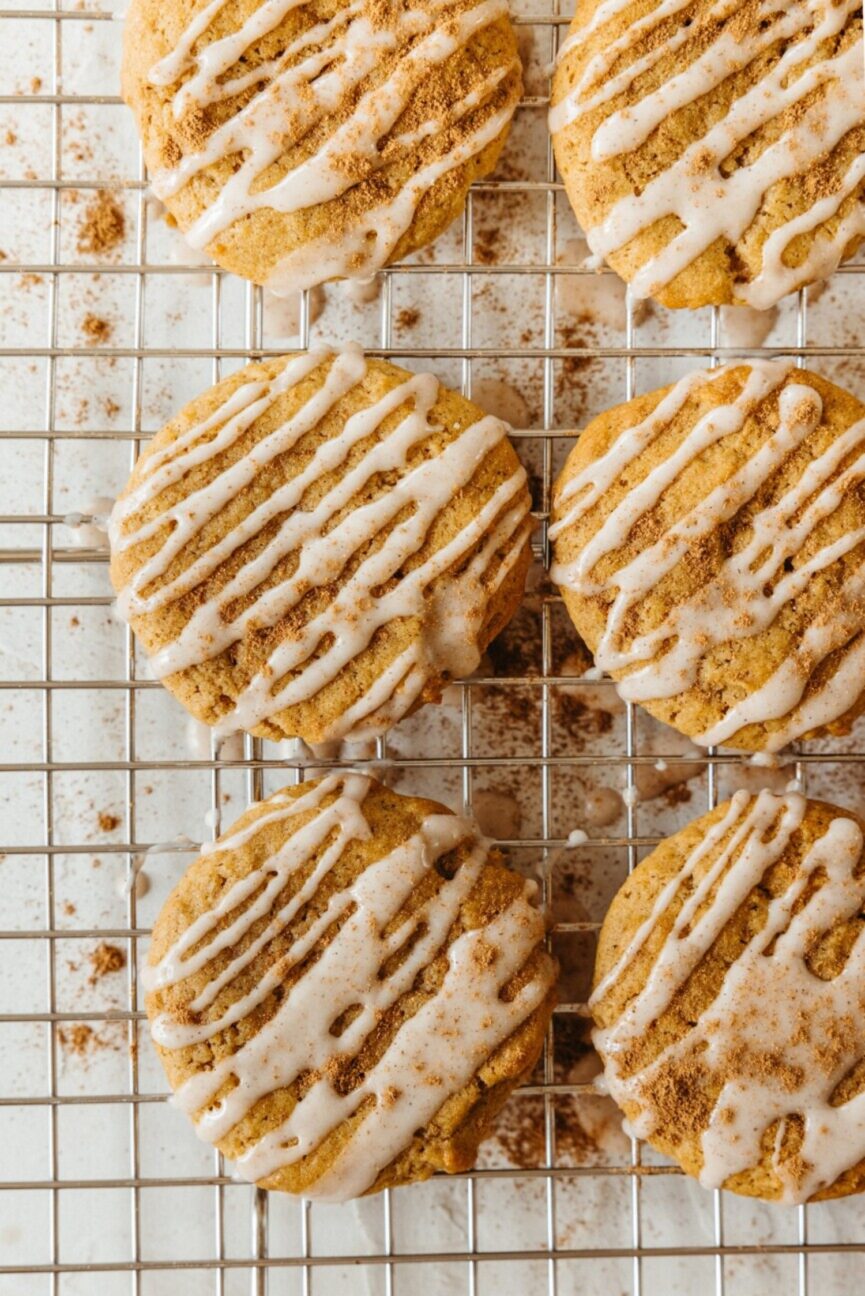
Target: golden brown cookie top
x=709 y=542
x=712 y=149
x=314 y=546
x=729 y=996
x=301 y=142
x=336 y=982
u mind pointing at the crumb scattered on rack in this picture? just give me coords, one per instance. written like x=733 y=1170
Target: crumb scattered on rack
x=95 y=328
x=408 y=317
x=108 y=822
x=78 y=1039
x=105 y=960
x=103 y=224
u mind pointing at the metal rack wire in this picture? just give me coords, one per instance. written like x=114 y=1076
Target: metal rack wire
x=268 y=1263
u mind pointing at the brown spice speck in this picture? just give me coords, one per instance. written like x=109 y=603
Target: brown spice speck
x=96 y=329
x=105 y=960
x=103 y=224
x=108 y=822
x=77 y=1039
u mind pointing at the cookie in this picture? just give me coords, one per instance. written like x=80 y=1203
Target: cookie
x=714 y=150
x=315 y=546
x=301 y=142
x=709 y=542
x=728 y=999
x=345 y=988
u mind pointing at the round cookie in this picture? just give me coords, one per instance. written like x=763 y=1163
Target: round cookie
x=346 y=987
x=315 y=546
x=709 y=542
x=728 y=997
x=302 y=142
x=713 y=150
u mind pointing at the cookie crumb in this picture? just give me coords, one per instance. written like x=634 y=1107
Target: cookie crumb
x=103 y=224
x=95 y=328
x=77 y=1039
x=105 y=960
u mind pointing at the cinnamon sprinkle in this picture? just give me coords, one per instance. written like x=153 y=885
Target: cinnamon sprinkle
x=105 y=960
x=96 y=329
x=103 y=224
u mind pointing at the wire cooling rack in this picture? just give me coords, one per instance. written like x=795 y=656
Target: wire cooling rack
x=102 y=1189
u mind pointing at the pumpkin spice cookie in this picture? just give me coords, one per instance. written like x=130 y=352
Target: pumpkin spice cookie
x=729 y=994
x=302 y=142
x=315 y=546
x=709 y=542
x=714 y=150
x=345 y=988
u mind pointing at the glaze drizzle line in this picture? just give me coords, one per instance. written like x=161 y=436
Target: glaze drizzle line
x=433 y=1054
x=770 y=1004
x=709 y=203
x=321 y=75
x=751 y=586
x=451 y=613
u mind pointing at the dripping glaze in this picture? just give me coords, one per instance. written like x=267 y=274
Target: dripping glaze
x=769 y=1003
x=751 y=586
x=320 y=71
x=452 y=1034
x=709 y=204
x=483 y=552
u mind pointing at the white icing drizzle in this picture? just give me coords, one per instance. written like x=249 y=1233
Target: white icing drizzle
x=751 y=586
x=434 y=1053
x=770 y=1004
x=368 y=246
x=317 y=73
x=709 y=204
x=451 y=615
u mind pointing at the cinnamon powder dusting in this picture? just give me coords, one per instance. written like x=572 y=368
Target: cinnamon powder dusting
x=95 y=328
x=105 y=960
x=77 y=1039
x=521 y=1134
x=103 y=224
